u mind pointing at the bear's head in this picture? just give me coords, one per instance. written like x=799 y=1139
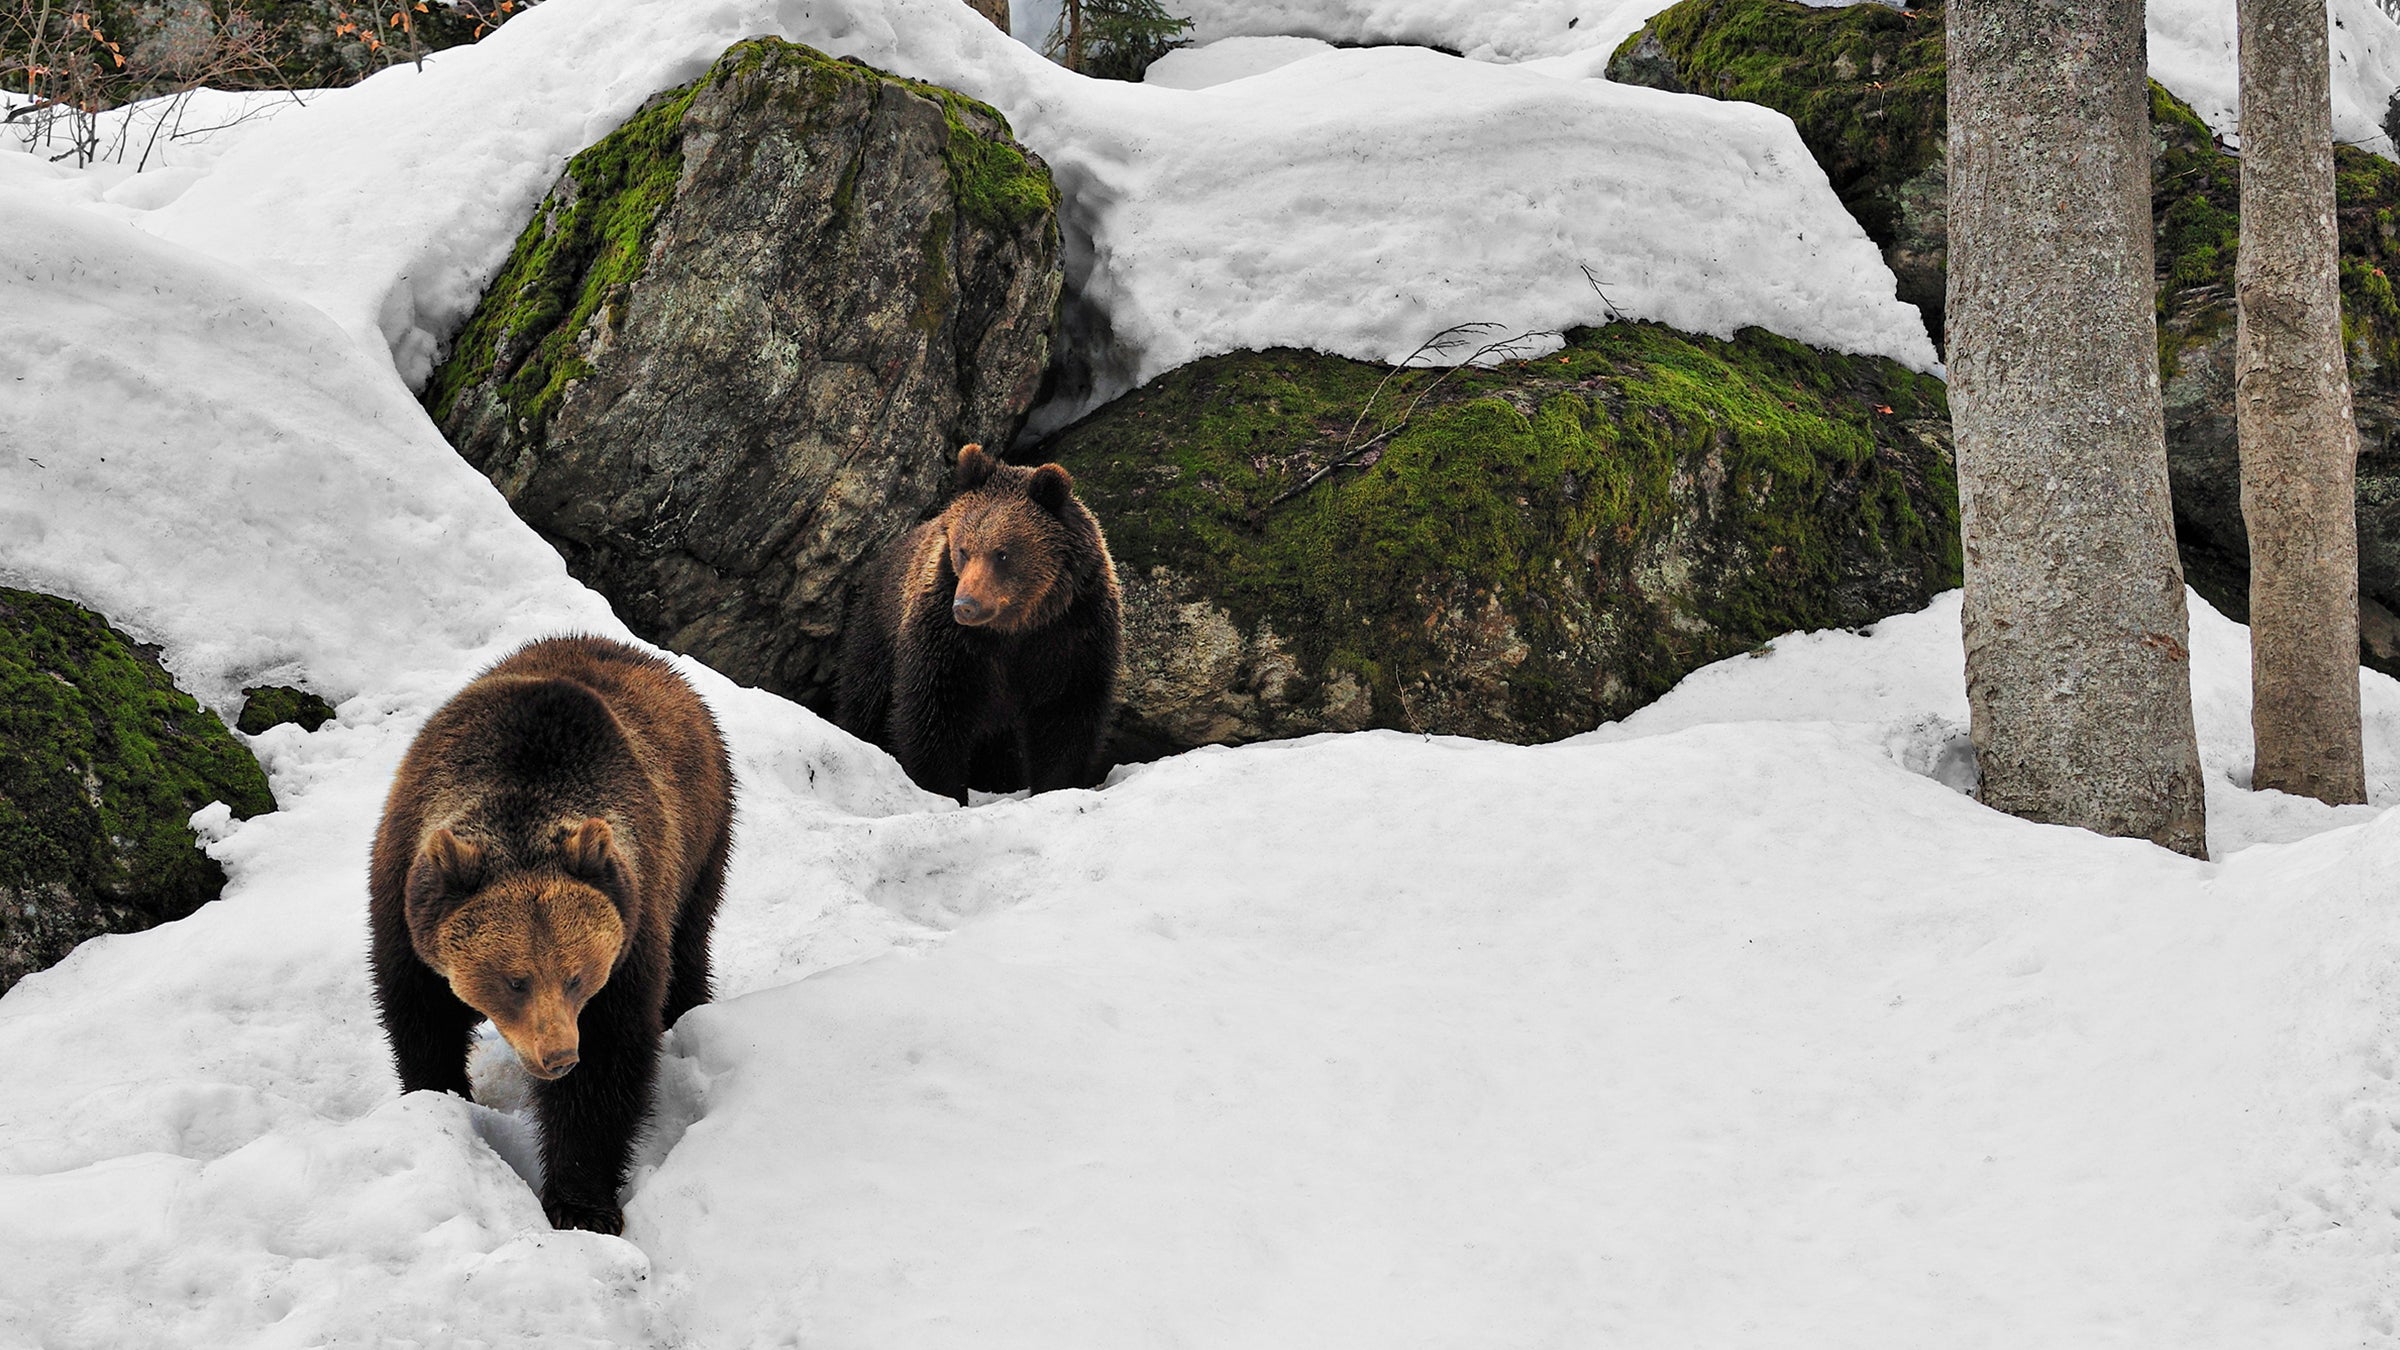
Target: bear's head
x=525 y=946
x=1009 y=539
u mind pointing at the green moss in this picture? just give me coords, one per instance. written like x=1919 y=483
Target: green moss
x=102 y=762
x=1548 y=486
x=1865 y=84
x=587 y=243
x=272 y=705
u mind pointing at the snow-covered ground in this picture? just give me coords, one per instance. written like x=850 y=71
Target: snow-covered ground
x=1733 y=1024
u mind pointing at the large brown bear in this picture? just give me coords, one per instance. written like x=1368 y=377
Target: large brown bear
x=983 y=649
x=551 y=857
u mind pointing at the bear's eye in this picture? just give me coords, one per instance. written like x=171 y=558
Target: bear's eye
x=517 y=984
x=574 y=985
x=1001 y=556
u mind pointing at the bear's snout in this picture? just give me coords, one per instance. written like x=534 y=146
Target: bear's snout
x=969 y=611
x=557 y=1062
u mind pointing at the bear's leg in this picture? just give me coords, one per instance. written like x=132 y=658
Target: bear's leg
x=1062 y=742
x=936 y=701
x=590 y=1117
x=428 y=1026
x=687 y=967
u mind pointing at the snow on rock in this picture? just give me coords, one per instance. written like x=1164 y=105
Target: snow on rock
x=1344 y=202
x=1233 y=59
x=2194 y=51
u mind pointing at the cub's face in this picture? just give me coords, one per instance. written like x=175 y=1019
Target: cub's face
x=528 y=952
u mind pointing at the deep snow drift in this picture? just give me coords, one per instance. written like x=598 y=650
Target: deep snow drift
x=1728 y=1025
x=1345 y=203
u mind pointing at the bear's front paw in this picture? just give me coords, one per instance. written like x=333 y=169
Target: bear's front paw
x=590 y=1216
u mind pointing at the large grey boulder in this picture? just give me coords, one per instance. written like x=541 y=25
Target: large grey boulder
x=742 y=339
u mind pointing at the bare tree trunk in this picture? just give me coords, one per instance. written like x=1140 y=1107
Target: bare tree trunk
x=995 y=10
x=2078 y=674
x=2292 y=399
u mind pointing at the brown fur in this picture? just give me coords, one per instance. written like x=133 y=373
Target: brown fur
x=550 y=857
x=984 y=648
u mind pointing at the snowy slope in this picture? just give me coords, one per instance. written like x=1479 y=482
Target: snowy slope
x=1343 y=203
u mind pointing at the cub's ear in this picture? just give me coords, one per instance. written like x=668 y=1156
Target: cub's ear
x=974 y=466
x=1050 y=488
x=446 y=868
x=588 y=848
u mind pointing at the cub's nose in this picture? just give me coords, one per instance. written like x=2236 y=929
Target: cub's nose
x=557 y=1062
x=968 y=610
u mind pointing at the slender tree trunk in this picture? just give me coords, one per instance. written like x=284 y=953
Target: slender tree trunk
x=2078 y=674
x=995 y=10
x=2292 y=399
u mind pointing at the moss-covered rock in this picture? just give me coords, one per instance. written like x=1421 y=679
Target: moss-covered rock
x=272 y=705
x=1539 y=547
x=102 y=763
x=739 y=342
x=1866 y=86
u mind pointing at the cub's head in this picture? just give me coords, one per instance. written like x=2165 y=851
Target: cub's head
x=1010 y=543
x=526 y=947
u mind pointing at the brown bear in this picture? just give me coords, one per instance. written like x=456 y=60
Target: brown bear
x=982 y=650
x=550 y=857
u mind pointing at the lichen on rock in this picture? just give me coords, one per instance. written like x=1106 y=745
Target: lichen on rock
x=1544 y=545
x=739 y=342
x=102 y=763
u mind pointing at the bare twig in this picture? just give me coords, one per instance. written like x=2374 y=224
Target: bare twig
x=1503 y=348
x=1607 y=306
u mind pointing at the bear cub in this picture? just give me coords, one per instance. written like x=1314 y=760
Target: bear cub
x=983 y=649
x=550 y=857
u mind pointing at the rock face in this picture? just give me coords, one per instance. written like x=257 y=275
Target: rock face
x=742 y=339
x=1517 y=553
x=102 y=763
x=1866 y=86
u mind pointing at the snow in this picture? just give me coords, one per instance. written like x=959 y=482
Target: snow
x=2194 y=52
x=1342 y=202
x=1238 y=58
x=1732 y=1024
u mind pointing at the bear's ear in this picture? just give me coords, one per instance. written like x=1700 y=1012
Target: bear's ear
x=1050 y=487
x=588 y=849
x=974 y=466
x=446 y=868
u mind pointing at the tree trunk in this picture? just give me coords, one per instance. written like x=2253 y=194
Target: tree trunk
x=995 y=10
x=2292 y=403
x=2078 y=673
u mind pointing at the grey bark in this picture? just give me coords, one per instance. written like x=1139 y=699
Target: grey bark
x=2078 y=672
x=995 y=10
x=2299 y=442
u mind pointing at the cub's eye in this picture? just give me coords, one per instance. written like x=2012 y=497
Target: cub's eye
x=574 y=984
x=1001 y=556
x=518 y=984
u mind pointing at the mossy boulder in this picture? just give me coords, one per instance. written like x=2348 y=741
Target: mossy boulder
x=267 y=706
x=102 y=763
x=740 y=341
x=1867 y=87
x=1516 y=553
